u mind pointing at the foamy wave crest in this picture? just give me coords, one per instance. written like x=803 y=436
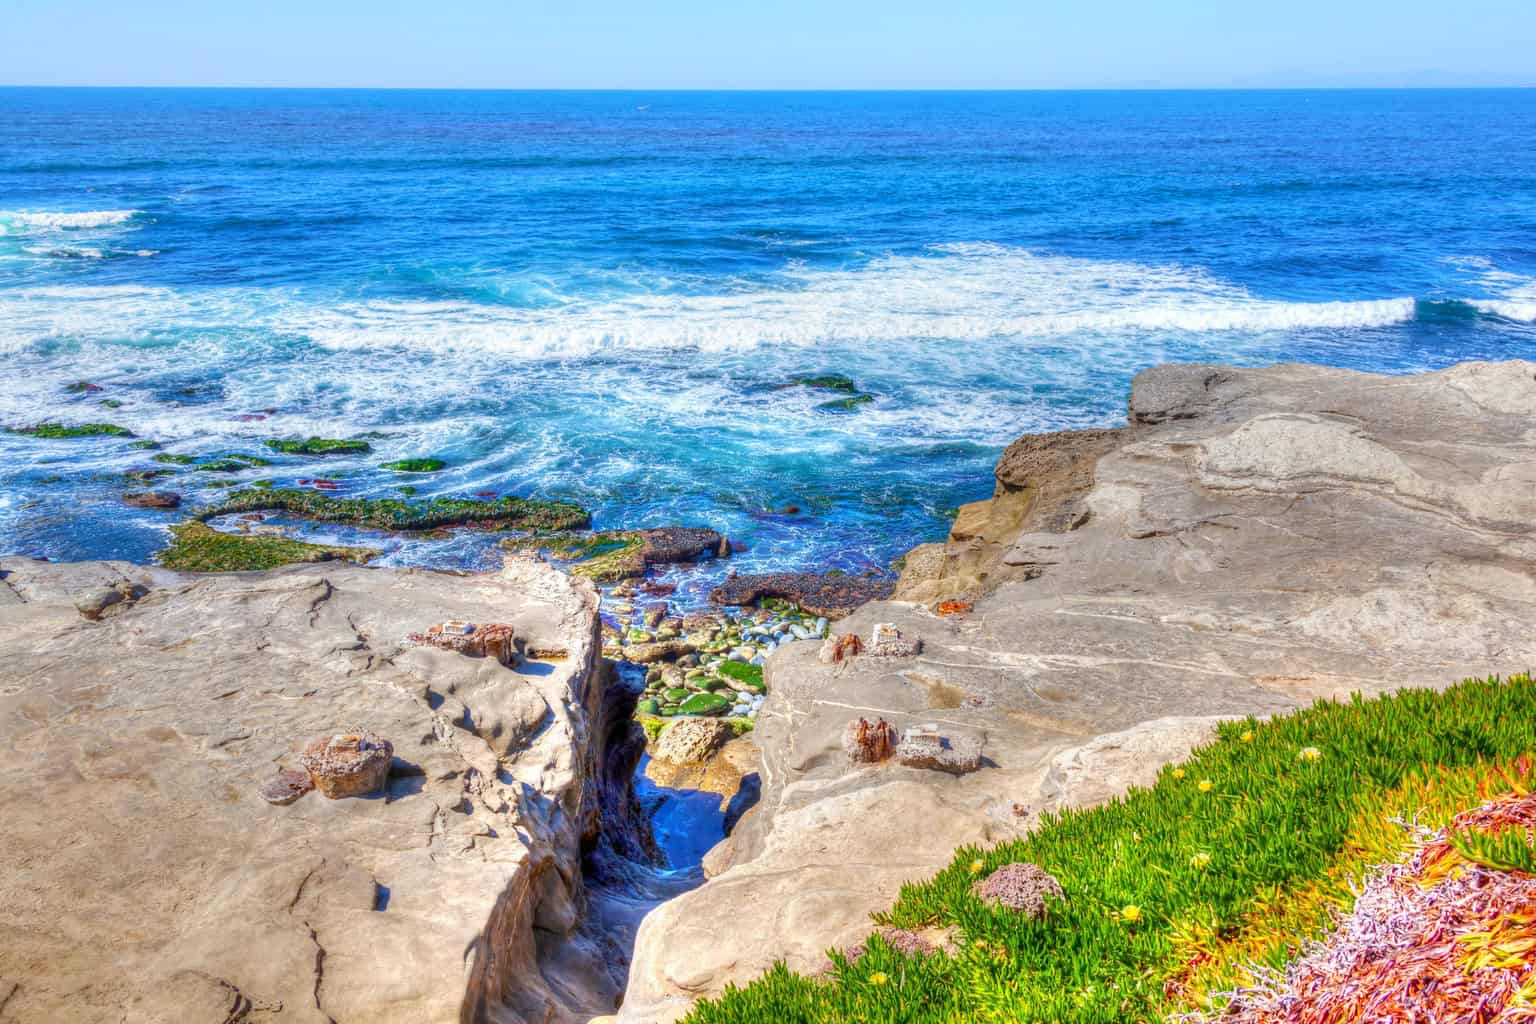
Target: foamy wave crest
x=954 y=293
x=1511 y=296
x=20 y=220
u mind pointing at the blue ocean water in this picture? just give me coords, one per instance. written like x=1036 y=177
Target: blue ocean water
x=602 y=296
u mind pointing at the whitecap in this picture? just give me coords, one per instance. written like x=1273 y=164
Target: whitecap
x=71 y=221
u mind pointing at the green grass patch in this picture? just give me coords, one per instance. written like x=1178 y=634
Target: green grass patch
x=395 y=514
x=1242 y=849
x=318 y=446
x=415 y=465
x=60 y=431
x=197 y=547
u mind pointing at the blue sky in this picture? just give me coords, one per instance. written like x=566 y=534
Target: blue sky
x=837 y=44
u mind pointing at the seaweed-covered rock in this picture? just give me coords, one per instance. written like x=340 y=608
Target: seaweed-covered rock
x=318 y=446
x=834 y=596
x=394 y=514
x=1027 y=888
x=613 y=555
x=60 y=431
x=198 y=547
x=415 y=465
x=704 y=704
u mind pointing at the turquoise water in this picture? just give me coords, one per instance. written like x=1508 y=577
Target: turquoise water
x=606 y=296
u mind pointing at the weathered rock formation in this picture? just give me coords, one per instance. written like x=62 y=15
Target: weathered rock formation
x=829 y=594
x=146 y=879
x=1252 y=540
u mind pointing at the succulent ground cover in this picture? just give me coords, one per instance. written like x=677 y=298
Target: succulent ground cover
x=1229 y=870
x=197 y=547
x=396 y=514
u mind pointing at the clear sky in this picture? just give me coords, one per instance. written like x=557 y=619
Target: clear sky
x=769 y=44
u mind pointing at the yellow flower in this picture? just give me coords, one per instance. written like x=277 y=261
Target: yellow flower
x=1200 y=861
x=976 y=867
x=1131 y=912
x=980 y=943
x=878 y=978
x=1206 y=785
x=1179 y=773
x=1309 y=754
x=1247 y=737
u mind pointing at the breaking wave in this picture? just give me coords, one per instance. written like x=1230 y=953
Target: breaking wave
x=968 y=294
x=51 y=221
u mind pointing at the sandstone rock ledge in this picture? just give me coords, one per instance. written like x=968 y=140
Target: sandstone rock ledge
x=1251 y=541
x=145 y=880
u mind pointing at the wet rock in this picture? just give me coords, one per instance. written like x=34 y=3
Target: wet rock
x=152 y=499
x=655 y=615
x=831 y=595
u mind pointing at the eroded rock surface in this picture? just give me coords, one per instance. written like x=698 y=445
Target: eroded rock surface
x=1252 y=540
x=146 y=877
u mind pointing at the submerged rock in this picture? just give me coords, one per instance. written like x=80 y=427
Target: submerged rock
x=153 y=499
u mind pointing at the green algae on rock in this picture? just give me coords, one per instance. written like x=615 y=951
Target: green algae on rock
x=848 y=404
x=175 y=460
x=704 y=704
x=197 y=547
x=318 y=446
x=58 y=431
x=613 y=555
x=415 y=465
x=829 y=382
x=394 y=514
x=145 y=446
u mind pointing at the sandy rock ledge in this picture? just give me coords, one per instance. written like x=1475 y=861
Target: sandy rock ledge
x=145 y=878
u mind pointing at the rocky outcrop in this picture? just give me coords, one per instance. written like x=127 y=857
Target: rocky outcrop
x=830 y=594
x=148 y=878
x=1252 y=540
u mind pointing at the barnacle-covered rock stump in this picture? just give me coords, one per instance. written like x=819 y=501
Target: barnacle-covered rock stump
x=347 y=763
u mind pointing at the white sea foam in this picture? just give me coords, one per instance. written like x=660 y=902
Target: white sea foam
x=54 y=221
x=965 y=294
x=1507 y=294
